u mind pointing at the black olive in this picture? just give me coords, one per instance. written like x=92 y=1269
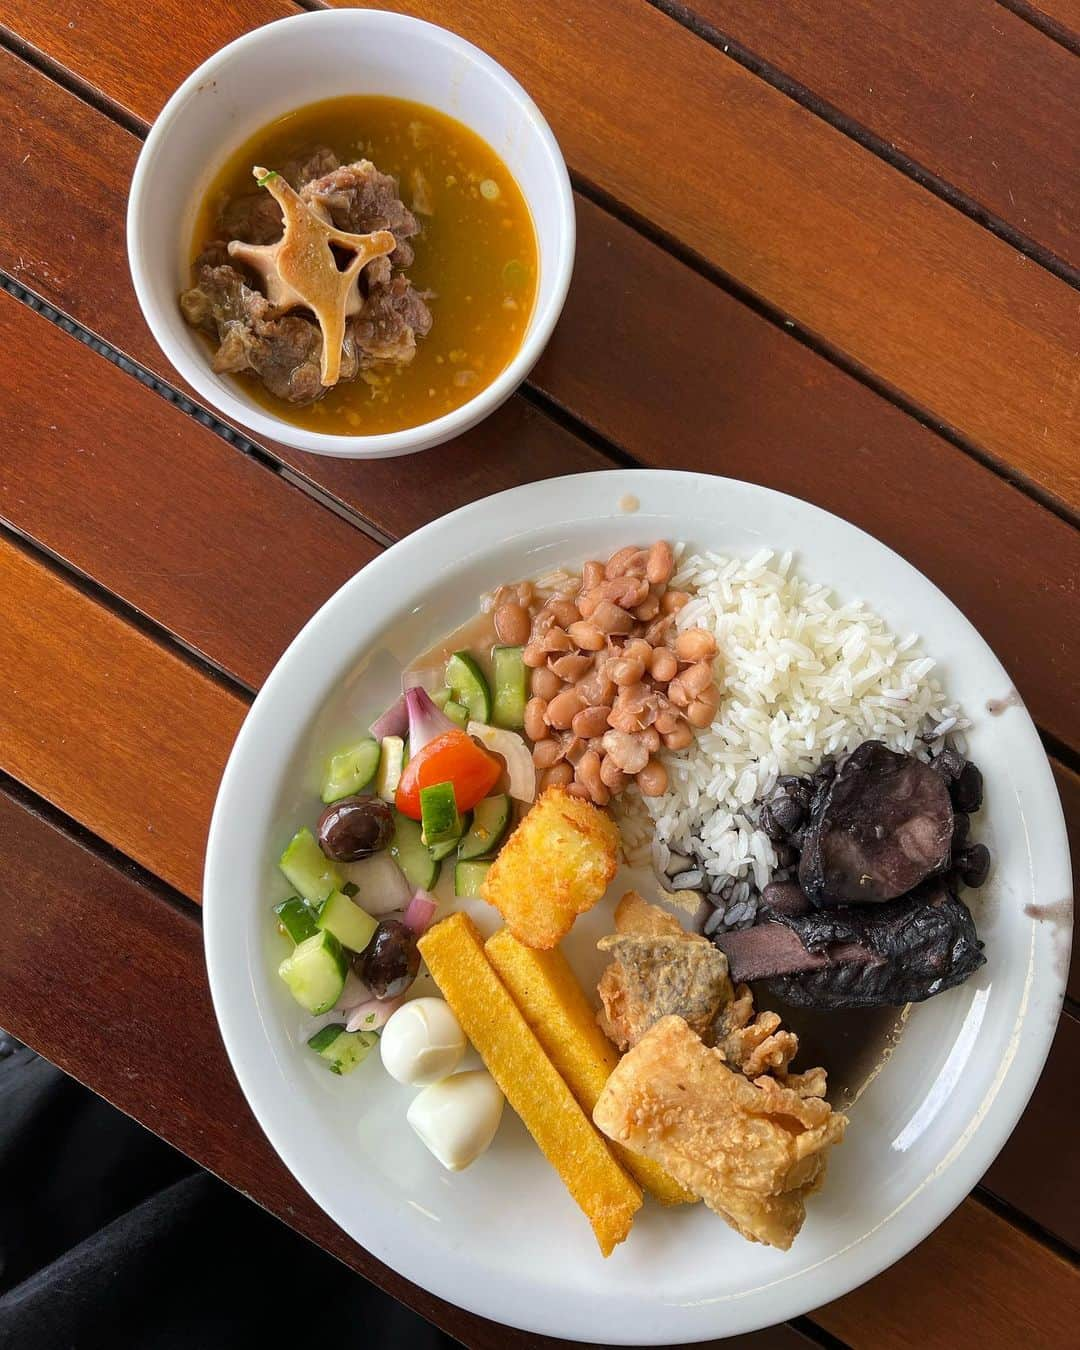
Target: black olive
x=390 y=961
x=960 y=829
x=967 y=790
x=949 y=763
x=973 y=864
x=354 y=828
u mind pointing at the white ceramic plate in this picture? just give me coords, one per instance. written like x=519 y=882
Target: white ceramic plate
x=503 y=1239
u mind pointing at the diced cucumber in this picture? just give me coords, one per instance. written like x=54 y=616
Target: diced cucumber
x=469 y=877
x=351 y=770
x=439 y=817
x=490 y=819
x=511 y=687
x=297 y=918
x=342 y=1050
x=408 y=851
x=315 y=972
x=457 y=712
x=352 y=926
x=443 y=850
x=466 y=682
x=308 y=868
x=441 y=697
x=391 y=762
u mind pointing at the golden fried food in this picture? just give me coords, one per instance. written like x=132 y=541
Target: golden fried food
x=658 y=969
x=753 y=1151
x=556 y=865
x=454 y=952
x=555 y=1007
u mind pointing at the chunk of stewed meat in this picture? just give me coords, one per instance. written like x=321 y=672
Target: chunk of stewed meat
x=358 y=198
x=394 y=315
x=882 y=825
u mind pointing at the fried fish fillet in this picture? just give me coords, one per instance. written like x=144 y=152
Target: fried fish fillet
x=556 y=865
x=753 y=1151
x=555 y=1007
x=454 y=952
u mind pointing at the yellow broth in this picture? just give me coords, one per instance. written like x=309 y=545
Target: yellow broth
x=476 y=253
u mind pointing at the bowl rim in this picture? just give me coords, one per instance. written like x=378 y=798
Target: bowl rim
x=931 y=1197
x=554 y=282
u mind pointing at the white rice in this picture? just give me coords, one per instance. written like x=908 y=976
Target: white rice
x=802 y=677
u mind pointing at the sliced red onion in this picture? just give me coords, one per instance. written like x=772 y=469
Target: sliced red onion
x=380 y=882
x=354 y=993
x=393 y=722
x=519 y=762
x=374 y=1014
x=425 y=720
x=419 y=912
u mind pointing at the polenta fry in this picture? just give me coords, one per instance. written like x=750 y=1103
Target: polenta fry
x=555 y=1007
x=454 y=953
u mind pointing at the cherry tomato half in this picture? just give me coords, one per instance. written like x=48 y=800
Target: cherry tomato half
x=454 y=758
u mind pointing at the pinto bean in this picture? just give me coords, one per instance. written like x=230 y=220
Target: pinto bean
x=559 y=775
x=678 y=739
x=591 y=721
x=526 y=594
x=574 y=747
x=563 y=708
x=592 y=574
x=652 y=779
x=665 y=666
x=667 y=719
x=648 y=609
x=578 y=790
x=695 y=644
x=612 y=776
x=697 y=678
x=588 y=773
x=597 y=687
x=700 y=713
x=656 y=633
x=565 y=611
x=586 y=636
x=547 y=752
x=638 y=649
x=512 y=624
x=626 y=751
x=624 y=591
x=660 y=563
x=534 y=720
x=556 y=640
x=627 y=672
x=571 y=667
x=545 y=684
x=672 y=601
x=534 y=654
x=609 y=618
x=650 y=739
x=587 y=603
x=678 y=693
x=620 y=560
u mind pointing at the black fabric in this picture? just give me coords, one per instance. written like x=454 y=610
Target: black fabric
x=110 y=1238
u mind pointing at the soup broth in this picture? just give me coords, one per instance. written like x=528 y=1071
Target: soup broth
x=476 y=254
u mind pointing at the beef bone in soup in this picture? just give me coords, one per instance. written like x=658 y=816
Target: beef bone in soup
x=429 y=323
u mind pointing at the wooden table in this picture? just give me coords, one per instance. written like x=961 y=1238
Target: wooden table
x=829 y=247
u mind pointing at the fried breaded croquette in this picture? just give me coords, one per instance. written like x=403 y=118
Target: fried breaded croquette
x=555 y=1007
x=753 y=1151
x=454 y=952
x=556 y=865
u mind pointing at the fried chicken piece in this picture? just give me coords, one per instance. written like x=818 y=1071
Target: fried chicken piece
x=657 y=969
x=753 y=1151
x=754 y=1044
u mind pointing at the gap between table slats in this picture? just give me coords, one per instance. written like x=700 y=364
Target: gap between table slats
x=788 y=418
x=994 y=359
x=1058 y=19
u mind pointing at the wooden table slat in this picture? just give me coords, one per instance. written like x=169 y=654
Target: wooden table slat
x=121 y=733
x=1063 y=15
x=920 y=296
x=68 y=998
x=968 y=91
x=747 y=400
x=1068 y=786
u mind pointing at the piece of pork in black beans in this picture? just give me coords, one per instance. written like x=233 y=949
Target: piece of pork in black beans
x=881 y=826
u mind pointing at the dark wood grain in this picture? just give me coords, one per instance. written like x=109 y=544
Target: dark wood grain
x=1061 y=17
x=974 y=95
x=746 y=400
x=128 y=489
x=63 y=991
x=122 y=734
x=923 y=298
x=1068 y=786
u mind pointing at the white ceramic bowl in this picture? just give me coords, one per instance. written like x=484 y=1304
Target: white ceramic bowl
x=503 y=1239
x=284 y=66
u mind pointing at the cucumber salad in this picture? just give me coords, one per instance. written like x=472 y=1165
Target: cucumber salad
x=433 y=784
